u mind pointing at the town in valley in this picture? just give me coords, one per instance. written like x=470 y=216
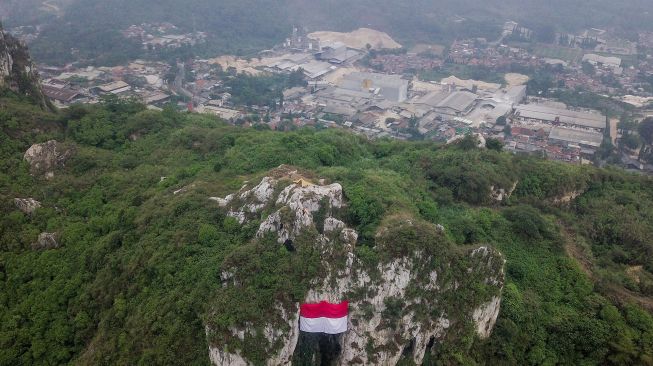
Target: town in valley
x=577 y=99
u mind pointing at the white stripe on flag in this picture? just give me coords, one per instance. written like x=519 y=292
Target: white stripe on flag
x=323 y=325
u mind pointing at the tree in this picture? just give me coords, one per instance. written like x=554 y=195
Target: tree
x=646 y=130
x=626 y=123
x=527 y=222
x=631 y=141
x=493 y=144
x=588 y=68
x=545 y=33
x=605 y=150
x=501 y=121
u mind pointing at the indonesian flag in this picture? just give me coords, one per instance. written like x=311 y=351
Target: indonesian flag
x=323 y=317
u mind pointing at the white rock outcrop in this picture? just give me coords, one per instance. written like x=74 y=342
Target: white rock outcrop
x=27 y=205
x=301 y=203
x=501 y=194
x=45 y=158
x=396 y=305
x=46 y=241
x=485 y=316
x=567 y=197
x=296 y=206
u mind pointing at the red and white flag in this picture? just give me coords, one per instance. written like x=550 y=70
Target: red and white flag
x=323 y=317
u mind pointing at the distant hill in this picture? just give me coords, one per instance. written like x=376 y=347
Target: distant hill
x=246 y=26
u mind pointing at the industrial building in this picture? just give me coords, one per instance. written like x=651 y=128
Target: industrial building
x=512 y=95
x=343 y=101
x=335 y=52
x=487 y=112
x=587 y=141
x=538 y=112
x=63 y=96
x=116 y=87
x=594 y=59
x=390 y=87
x=316 y=69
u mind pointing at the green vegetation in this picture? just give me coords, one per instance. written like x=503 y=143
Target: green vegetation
x=264 y=90
x=139 y=270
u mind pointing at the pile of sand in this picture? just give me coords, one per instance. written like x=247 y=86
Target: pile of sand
x=239 y=64
x=514 y=79
x=358 y=39
x=425 y=86
x=469 y=84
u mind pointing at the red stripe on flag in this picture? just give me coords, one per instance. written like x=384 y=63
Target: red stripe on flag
x=324 y=310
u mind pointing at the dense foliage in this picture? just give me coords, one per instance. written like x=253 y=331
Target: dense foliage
x=139 y=268
x=263 y=90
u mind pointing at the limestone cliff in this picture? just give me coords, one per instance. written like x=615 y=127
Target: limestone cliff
x=406 y=294
x=17 y=71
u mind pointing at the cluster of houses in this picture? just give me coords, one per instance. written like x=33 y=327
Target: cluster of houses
x=559 y=132
x=381 y=98
x=155 y=36
x=65 y=85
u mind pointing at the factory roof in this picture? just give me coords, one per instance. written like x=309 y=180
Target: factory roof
x=315 y=69
x=459 y=101
x=341 y=57
x=62 y=95
x=588 y=138
x=391 y=87
x=489 y=111
x=611 y=61
x=340 y=110
x=114 y=86
x=544 y=113
x=433 y=98
x=345 y=95
x=155 y=97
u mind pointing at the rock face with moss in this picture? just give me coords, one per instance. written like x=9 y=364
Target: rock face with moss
x=47 y=157
x=17 y=72
x=406 y=293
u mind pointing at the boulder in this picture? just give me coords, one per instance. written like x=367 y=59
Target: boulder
x=47 y=157
x=27 y=205
x=46 y=241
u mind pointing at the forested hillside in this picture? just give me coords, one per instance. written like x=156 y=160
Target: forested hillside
x=133 y=274
x=245 y=27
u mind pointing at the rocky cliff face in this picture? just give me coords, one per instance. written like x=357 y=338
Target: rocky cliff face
x=418 y=288
x=17 y=72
